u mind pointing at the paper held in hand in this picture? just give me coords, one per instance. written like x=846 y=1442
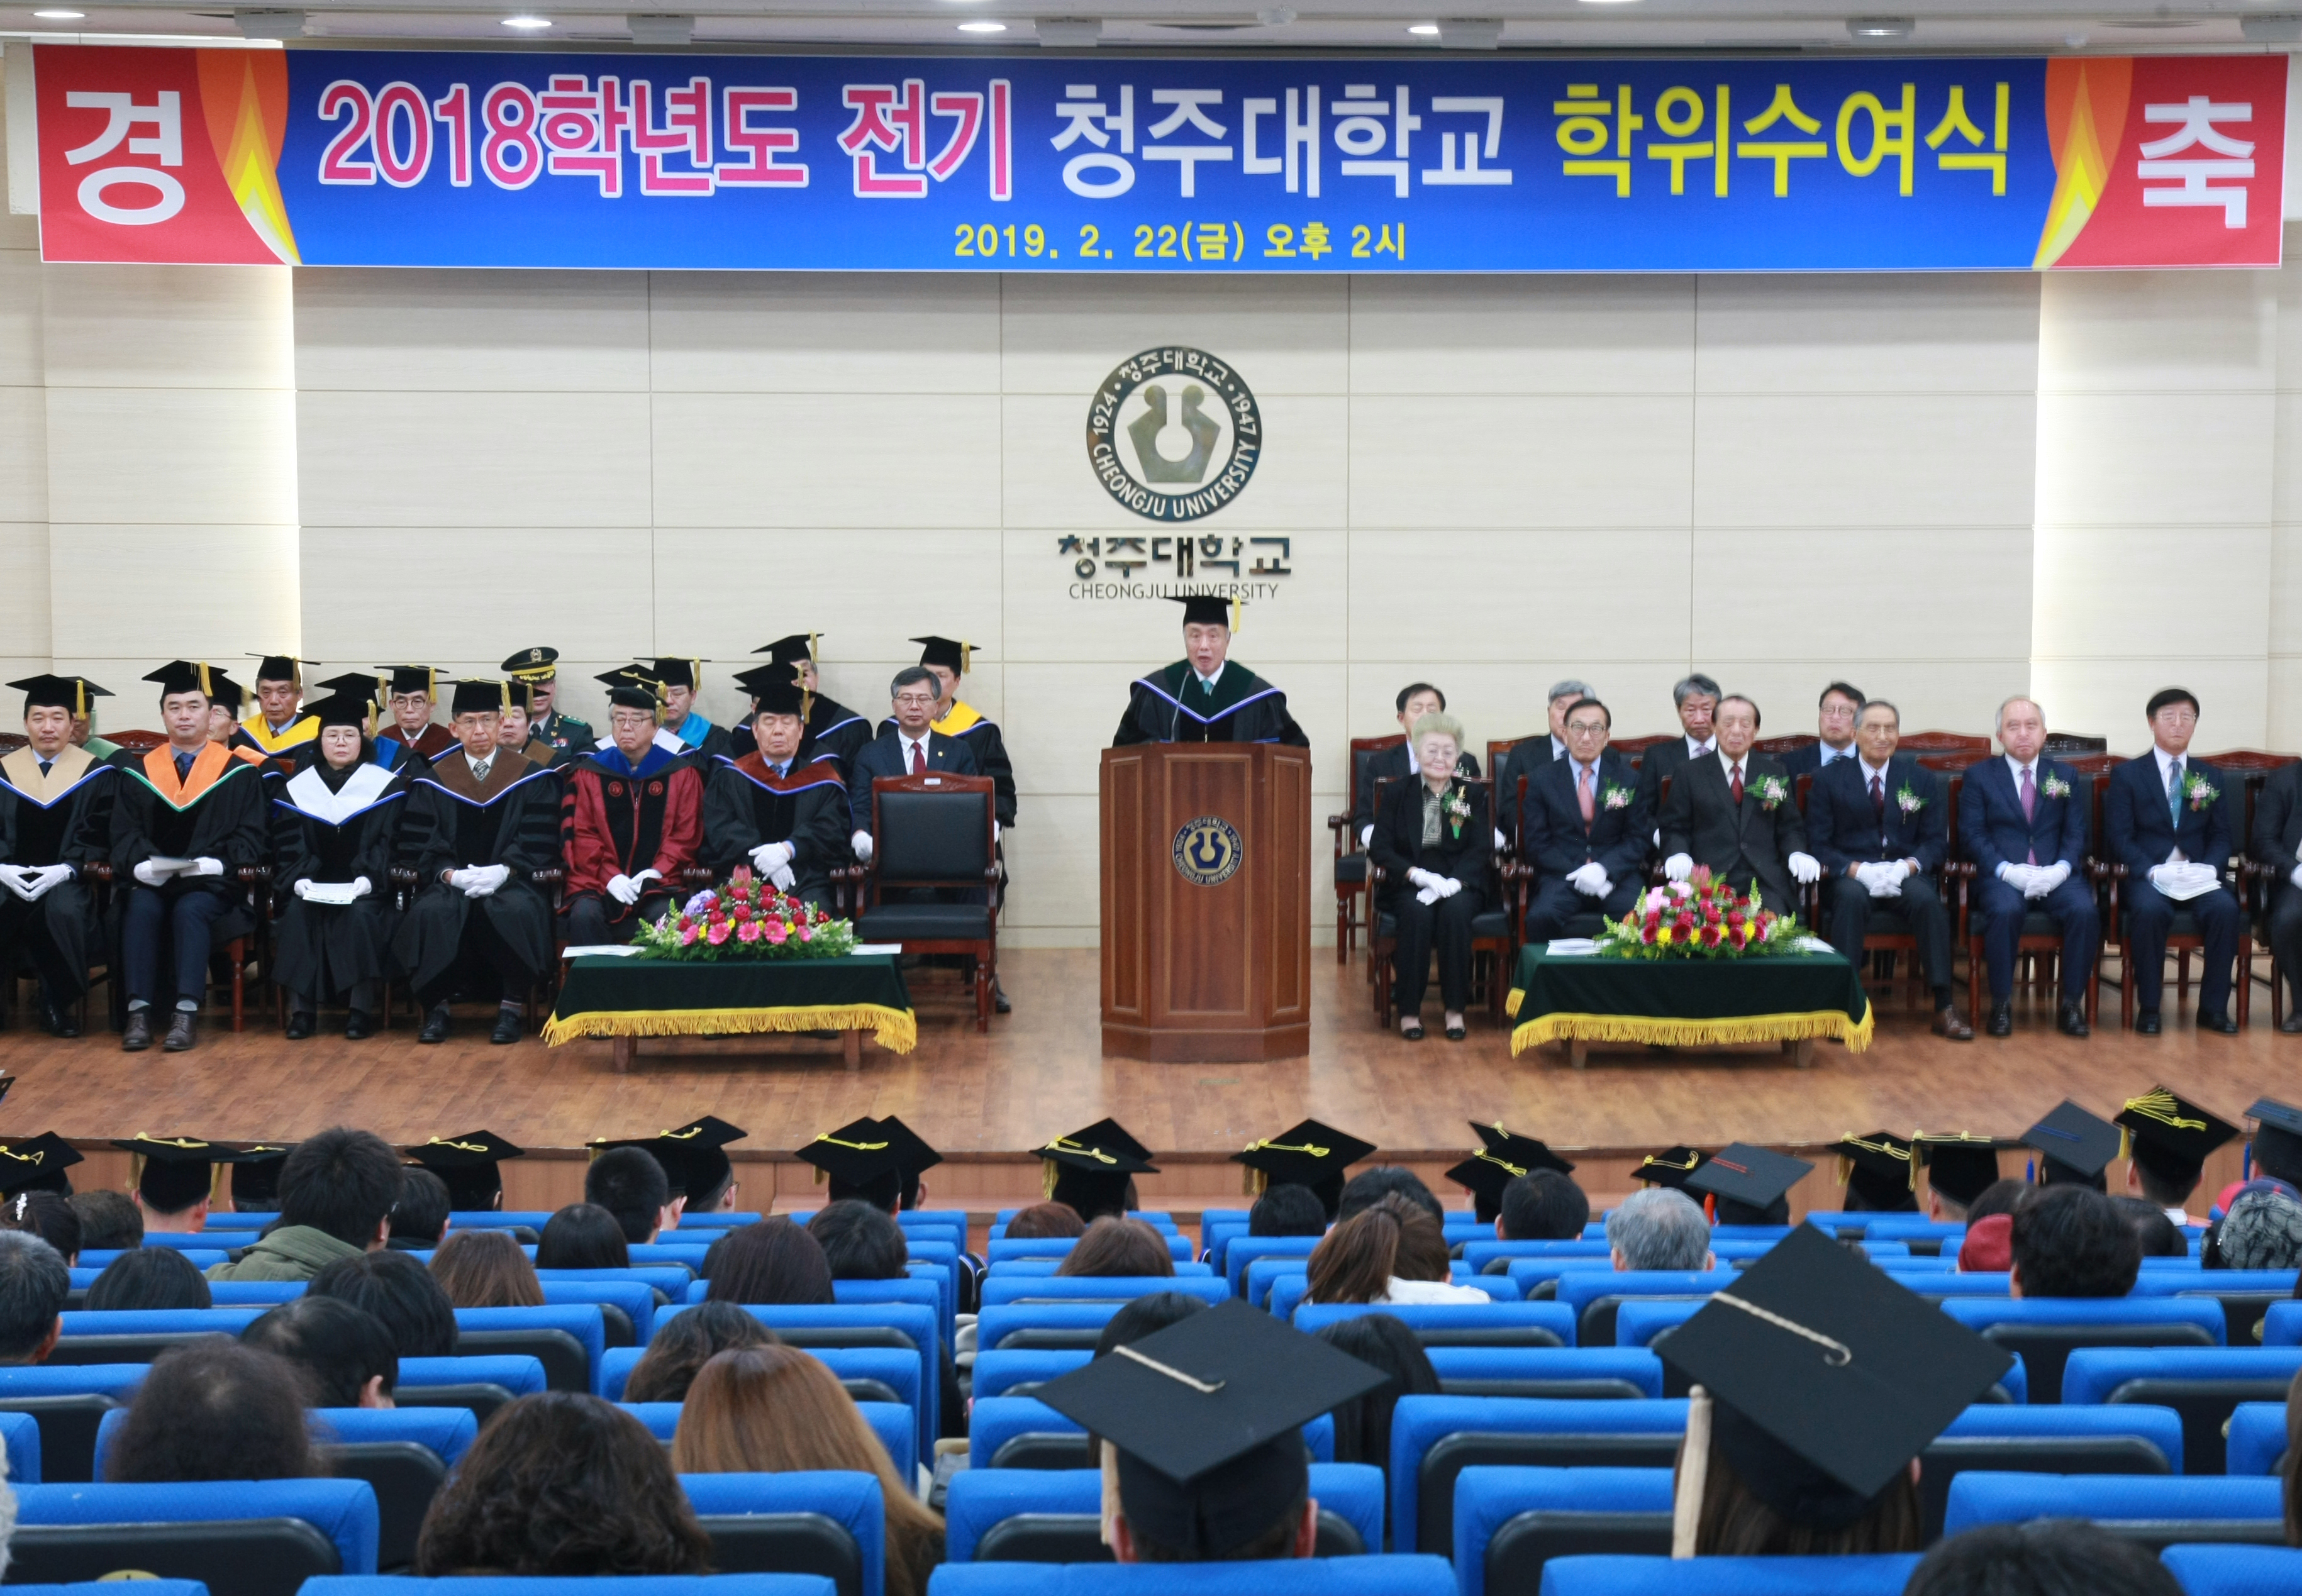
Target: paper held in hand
x=330 y=892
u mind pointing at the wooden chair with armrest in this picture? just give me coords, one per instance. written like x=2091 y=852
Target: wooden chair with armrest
x=1494 y=931
x=1350 y=864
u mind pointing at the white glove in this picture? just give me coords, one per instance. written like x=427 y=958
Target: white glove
x=2165 y=876
x=1429 y=894
x=1448 y=886
x=461 y=880
x=1590 y=879
x=205 y=867
x=1678 y=866
x=1500 y=843
x=18 y=879
x=2295 y=875
x=303 y=889
x=488 y=877
x=2052 y=876
x=2018 y=876
x=150 y=873
x=1805 y=869
x=624 y=890
x=646 y=876
x=768 y=858
x=994 y=834
x=1877 y=879
x=782 y=878
x=362 y=886
x=46 y=879
x=862 y=845
x=1366 y=835
x=1419 y=876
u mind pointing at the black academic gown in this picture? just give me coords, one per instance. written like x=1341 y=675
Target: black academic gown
x=64 y=817
x=454 y=822
x=218 y=813
x=334 y=826
x=1169 y=706
x=746 y=803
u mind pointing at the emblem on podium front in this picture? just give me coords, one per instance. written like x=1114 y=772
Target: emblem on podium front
x=1208 y=850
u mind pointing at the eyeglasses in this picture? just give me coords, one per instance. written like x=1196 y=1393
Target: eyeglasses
x=915 y=698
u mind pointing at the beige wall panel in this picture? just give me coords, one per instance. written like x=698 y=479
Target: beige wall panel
x=237 y=593
x=1504 y=595
x=24 y=455
x=24 y=630
x=2284 y=721
x=1949 y=695
x=807 y=332
x=469 y=459
x=595 y=600
x=1844 y=589
x=171 y=456
x=21 y=318
x=2157 y=332
x=1054 y=899
x=1062 y=335
x=196 y=327
x=826 y=460
x=1936 y=333
x=483 y=331
x=1301 y=480
x=2286 y=449
x=2129 y=586
x=1853 y=460
x=1127 y=636
x=1535 y=335
x=1498 y=702
x=1448 y=464
x=2103 y=696
x=2151 y=460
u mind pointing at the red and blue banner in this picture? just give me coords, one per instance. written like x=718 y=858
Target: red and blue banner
x=1423 y=163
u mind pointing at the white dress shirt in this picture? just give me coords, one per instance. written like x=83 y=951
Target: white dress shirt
x=1832 y=755
x=2018 y=767
x=1732 y=766
x=910 y=743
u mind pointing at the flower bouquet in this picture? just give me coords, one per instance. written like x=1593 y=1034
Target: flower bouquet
x=1699 y=917
x=745 y=920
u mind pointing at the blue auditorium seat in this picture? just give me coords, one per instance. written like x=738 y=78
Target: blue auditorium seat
x=625 y=1584
x=19 y=1433
x=1594 y=1372
x=1460 y=1324
x=2246 y=1294
x=476 y=1218
x=634 y=1299
x=1595 y=1297
x=2257 y=1439
x=1046 y=1438
x=1433 y=1438
x=185 y=1241
x=670 y=1279
x=690 y=1254
x=2131 y=1440
x=1001 y=1290
x=1246 y=1249
x=1510 y=1522
x=2281 y=1326
x=1478 y=1255
x=568 y=1339
x=1002 y=1247
x=205 y=1255
x=2158 y=1511
x=1318 y=1576
x=153 y=1587
x=343 y=1513
x=1538 y=1277
x=137 y=1336
x=1883 y=1573
x=1009 y=1268
x=982 y=1499
x=806 y=1522
x=447 y=1432
x=1935 y=1285
x=514 y=1372
x=718 y=1220
x=998 y=1373
x=252 y=1294
x=2202 y=1384
x=1041 y=1326
x=68 y=1401
x=2047 y=1330
x=1156 y=1218
x=2235 y=1570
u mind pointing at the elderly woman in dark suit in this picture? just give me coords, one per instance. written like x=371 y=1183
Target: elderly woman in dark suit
x=1434 y=842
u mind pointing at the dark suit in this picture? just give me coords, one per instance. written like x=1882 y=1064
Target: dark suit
x=1466 y=855
x=1554 y=841
x=2141 y=833
x=1663 y=760
x=1994 y=833
x=1528 y=759
x=1848 y=829
x=886 y=755
x=1808 y=761
x=1393 y=764
x=1747 y=845
x=2278 y=843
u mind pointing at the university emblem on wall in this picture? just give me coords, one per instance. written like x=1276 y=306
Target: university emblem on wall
x=1208 y=850
x=1174 y=434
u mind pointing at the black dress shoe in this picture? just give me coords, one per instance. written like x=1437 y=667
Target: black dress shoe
x=137 y=1036
x=509 y=1028
x=359 y=1025
x=2292 y=1024
x=301 y=1025
x=999 y=1004
x=2002 y=1019
x=183 y=1031
x=2146 y=1023
x=2221 y=1025
x=435 y=1025
x=1455 y=1033
x=2072 y=1021
x=58 y=1020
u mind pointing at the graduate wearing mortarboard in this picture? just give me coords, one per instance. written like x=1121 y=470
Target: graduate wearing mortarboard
x=55 y=812
x=280 y=726
x=335 y=824
x=1205 y=697
x=480 y=823
x=832 y=728
x=189 y=817
x=675 y=684
x=775 y=807
x=633 y=819
x=411 y=692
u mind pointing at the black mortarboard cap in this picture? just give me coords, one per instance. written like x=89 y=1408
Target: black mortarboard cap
x=1878 y=1169
x=1309 y=1154
x=952 y=655
x=1207 y=1417
x=531 y=665
x=2170 y=1136
x=479 y=696
x=355 y=684
x=2075 y=1146
x=1752 y=1176
x=792 y=650
x=776 y=689
x=915 y=1153
x=1828 y=1377
x=1961 y=1167
x=1503 y=1158
x=172 y=1173
x=342 y=708
x=466 y=1166
x=1206 y=610
x=1671 y=1167
x=186 y=675
x=279 y=668
x=58 y=693
x=225 y=692
x=1090 y=1169
x=412 y=678
x=2277 y=1138
x=36 y=1164
x=862 y=1161
x=671 y=673
x=256 y=1176
x=631 y=687
x=694 y=1156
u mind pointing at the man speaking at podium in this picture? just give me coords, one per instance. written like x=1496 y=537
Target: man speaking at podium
x=1204 y=697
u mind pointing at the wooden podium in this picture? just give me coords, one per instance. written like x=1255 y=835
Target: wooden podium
x=1206 y=901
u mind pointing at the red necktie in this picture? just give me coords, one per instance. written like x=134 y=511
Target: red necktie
x=1583 y=795
x=1734 y=781
x=1879 y=797
x=919 y=758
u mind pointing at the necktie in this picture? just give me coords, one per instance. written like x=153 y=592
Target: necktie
x=480 y=770
x=1879 y=797
x=1735 y=783
x=183 y=764
x=2029 y=805
x=1582 y=794
x=919 y=758
x=2174 y=794
x=1703 y=752
x=46 y=765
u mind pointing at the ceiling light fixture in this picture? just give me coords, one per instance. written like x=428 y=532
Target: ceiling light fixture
x=526 y=24
x=1425 y=29
x=60 y=16
x=1879 y=28
x=983 y=27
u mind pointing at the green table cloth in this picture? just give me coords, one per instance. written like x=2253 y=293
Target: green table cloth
x=1686 y=1002
x=602 y=996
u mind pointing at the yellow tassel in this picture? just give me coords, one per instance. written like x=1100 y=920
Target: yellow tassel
x=1235 y=608
x=811 y=647
x=1047 y=1170
x=966 y=653
x=206 y=690
x=79 y=698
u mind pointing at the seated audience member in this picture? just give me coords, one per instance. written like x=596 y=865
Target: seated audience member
x=1397 y=762
x=1658 y=1227
x=1534 y=752
x=336 y=1195
x=582 y=1236
x=1503 y=1156
x=34 y=1283
x=49 y=1216
x=2169 y=1139
x=777 y=1410
x=1542 y=1205
x=1585 y=829
x=335 y=825
x=1046 y=1221
x=255 y=1177
x=562 y=1482
x=109 y=1220
x=2022 y=820
x=878 y=1161
x=1434 y=845
x=421 y=1220
x=174 y=1181
x=346 y=1353
x=469 y=1167
x=860 y=1242
x=1284 y=1209
x=400 y=1291
x=1393 y=1252
x=2277 y=848
x=1381 y=1341
x=2262 y=1231
x=773 y=1261
x=1960 y=1168
x=485 y=1269
x=2157 y=1233
x=1835 y=721
x=1696 y=699
x=62 y=797
x=634 y=824
x=1879 y=1173
x=697 y=1176
x=630 y=1184
x=2000 y=1196
x=1310 y=1155
x=411 y=695
x=2046 y=1556
x=2168 y=820
x=1989 y=1245
x=1735 y=814
x=150 y=1277
x=1123 y=1247
x=1240 y=1485
x=2068 y=1241
x=215 y=1409
x=1878 y=823
x=684 y=1342
x=1369 y=1186
x=1092 y=1171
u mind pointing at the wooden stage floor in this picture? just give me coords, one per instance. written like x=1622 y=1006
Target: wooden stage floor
x=1040 y=1073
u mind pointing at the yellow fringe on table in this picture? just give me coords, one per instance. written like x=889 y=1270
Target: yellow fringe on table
x=896 y=1030
x=1510 y=1004
x=1692 y=1033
